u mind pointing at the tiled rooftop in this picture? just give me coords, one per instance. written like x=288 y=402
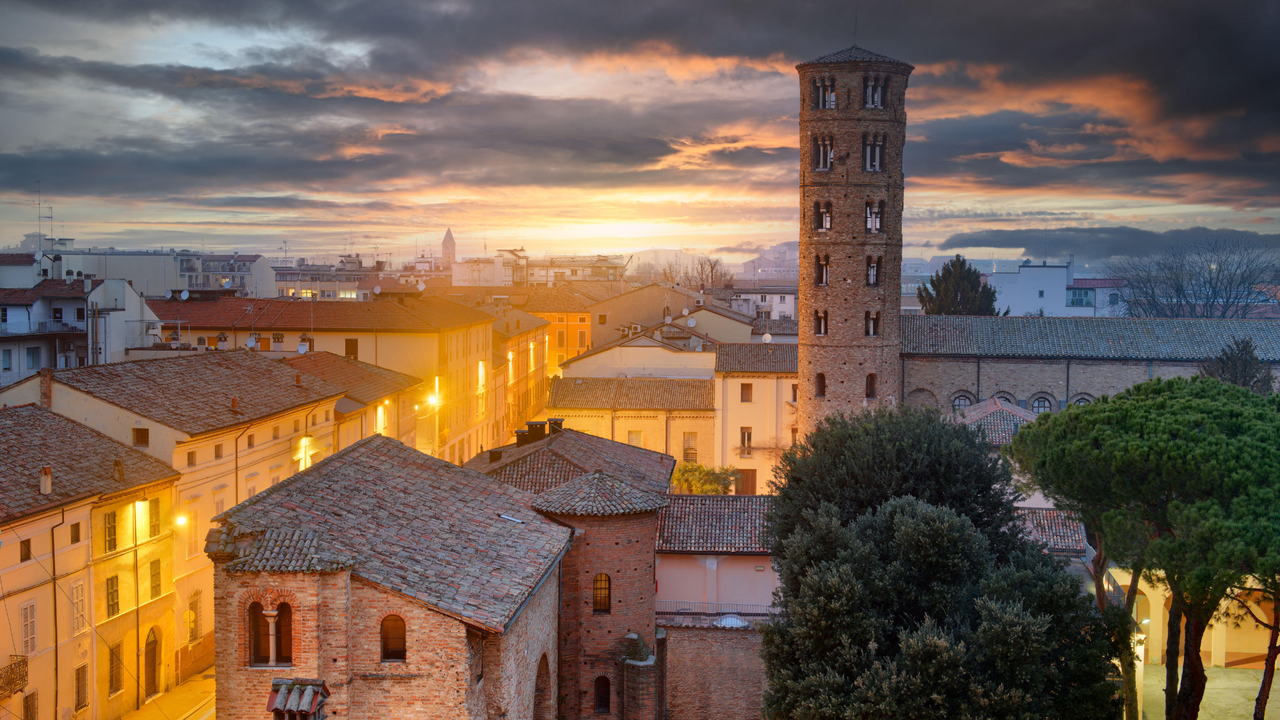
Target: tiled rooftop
x=1060 y=530
x=714 y=524
x=426 y=315
x=560 y=299
x=82 y=459
x=565 y=455
x=775 y=326
x=510 y=322
x=632 y=393
x=757 y=358
x=412 y=523
x=598 y=493
x=361 y=381
x=45 y=289
x=1190 y=340
x=854 y=53
x=17 y=259
x=193 y=393
x=999 y=419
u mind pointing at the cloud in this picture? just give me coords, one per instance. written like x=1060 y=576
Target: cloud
x=1091 y=244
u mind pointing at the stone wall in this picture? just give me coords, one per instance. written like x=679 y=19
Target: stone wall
x=712 y=673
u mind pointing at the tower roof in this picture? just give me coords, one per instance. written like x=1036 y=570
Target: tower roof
x=598 y=493
x=853 y=53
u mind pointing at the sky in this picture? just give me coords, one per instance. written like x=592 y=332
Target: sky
x=1034 y=128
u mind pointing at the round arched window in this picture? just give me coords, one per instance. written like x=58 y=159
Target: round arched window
x=1041 y=404
x=961 y=402
x=1083 y=401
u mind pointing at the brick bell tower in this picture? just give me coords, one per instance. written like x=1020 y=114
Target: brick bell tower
x=852 y=131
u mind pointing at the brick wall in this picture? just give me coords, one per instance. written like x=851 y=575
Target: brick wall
x=713 y=673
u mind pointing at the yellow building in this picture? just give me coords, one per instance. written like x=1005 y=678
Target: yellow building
x=234 y=423
x=86 y=562
x=756 y=394
x=378 y=401
x=676 y=417
x=518 y=385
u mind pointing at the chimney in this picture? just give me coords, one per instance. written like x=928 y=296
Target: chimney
x=537 y=430
x=46 y=480
x=235 y=403
x=495 y=456
x=46 y=388
x=297 y=380
x=88 y=285
x=522 y=438
x=555 y=425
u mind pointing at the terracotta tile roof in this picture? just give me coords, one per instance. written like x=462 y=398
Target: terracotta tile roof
x=560 y=299
x=1190 y=340
x=714 y=524
x=45 y=289
x=406 y=521
x=594 y=291
x=567 y=454
x=426 y=315
x=757 y=358
x=82 y=459
x=510 y=322
x=1060 y=530
x=193 y=393
x=853 y=53
x=632 y=393
x=999 y=419
x=598 y=493
x=361 y=381
x=775 y=326
x=17 y=259
x=670 y=334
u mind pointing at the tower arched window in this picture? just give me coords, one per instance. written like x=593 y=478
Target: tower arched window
x=601 y=594
x=822 y=269
x=259 y=636
x=824 y=93
x=871 y=324
x=866 y=91
x=872 y=153
x=820 y=385
x=824 y=217
x=819 y=322
x=823 y=153
x=873 y=271
x=871 y=385
x=393 y=639
x=875 y=211
x=602 y=694
x=284 y=634
x=884 y=92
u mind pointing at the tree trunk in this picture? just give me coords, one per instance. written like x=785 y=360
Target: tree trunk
x=1128 y=658
x=1171 y=652
x=1191 y=690
x=1269 y=669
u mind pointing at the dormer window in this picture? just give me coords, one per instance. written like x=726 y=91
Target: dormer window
x=872 y=153
x=823 y=153
x=822 y=270
x=875 y=211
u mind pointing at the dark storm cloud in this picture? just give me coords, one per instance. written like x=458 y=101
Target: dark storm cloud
x=1093 y=244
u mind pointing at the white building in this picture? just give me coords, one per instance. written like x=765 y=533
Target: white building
x=1054 y=291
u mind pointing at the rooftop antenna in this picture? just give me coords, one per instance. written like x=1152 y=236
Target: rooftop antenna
x=285 y=248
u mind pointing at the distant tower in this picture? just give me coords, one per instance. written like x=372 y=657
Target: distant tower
x=448 y=248
x=852 y=131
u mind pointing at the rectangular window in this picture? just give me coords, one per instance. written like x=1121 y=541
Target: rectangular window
x=155 y=579
x=1113 y=299
x=795 y=392
x=635 y=438
x=745 y=390
x=582 y=338
x=275 y=432
x=27 y=617
x=153 y=516
x=6 y=360
x=29 y=710
x=248 y=441
x=252 y=490
x=24 y=550
x=744 y=442
x=4 y=314
x=115 y=676
x=141 y=437
x=351 y=348
x=75 y=533
x=327 y=416
x=193 y=617
x=33 y=358
x=1041 y=293
x=297 y=425
x=746 y=484
x=80 y=313
x=193 y=532
x=219 y=505
x=113 y=596
x=82 y=687
x=691 y=447
x=108 y=532
x=217 y=451
x=191 y=458
x=57 y=314
x=560 y=338
x=604 y=320
x=79 y=619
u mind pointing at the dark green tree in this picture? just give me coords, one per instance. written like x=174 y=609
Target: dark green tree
x=698 y=479
x=856 y=462
x=1238 y=364
x=904 y=612
x=957 y=289
x=1159 y=469
x=1257 y=517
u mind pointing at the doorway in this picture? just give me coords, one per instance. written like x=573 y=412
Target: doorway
x=150 y=669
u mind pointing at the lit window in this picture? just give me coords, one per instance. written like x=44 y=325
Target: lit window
x=153 y=516
x=393 y=639
x=601 y=601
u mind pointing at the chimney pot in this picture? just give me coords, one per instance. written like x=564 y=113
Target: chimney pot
x=537 y=430
x=297 y=379
x=46 y=480
x=522 y=438
x=235 y=402
x=555 y=425
x=495 y=456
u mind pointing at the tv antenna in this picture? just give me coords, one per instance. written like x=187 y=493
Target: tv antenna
x=285 y=248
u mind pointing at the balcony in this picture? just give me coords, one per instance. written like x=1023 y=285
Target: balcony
x=13 y=677
x=39 y=327
x=702 y=614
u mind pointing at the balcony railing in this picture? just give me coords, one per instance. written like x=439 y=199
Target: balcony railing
x=13 y=677
x=37 y=327
x=702 y=614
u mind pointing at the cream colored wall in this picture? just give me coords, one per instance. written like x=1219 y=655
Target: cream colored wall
x=719 y=327
x=770 y=415
x=644 y=361
x=715 y=578
x=660 y=430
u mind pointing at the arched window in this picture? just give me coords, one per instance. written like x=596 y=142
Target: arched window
x=600 y=595
x=872 y=152
x=823 y=153
x=602 y=694
x=259 y=636
x=871 y=385
x=824 y=217
x=884 y=92
x=819 y=322
x=817 y=215
x=961 y=402
x=1083 y=400
x=866 y=91
x=871 y=324
x=873 y=271
x=874 y=213
x=821 y=269
x=1041 y=404
x=284 y=634
x=393 y=639
x=820 y=385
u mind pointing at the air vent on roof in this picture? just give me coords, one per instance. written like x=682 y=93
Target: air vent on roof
x=511 y=519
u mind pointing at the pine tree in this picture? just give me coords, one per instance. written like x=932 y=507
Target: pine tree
x=957 y=289
x=1238 y=364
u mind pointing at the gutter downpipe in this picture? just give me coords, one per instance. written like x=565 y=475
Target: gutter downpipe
x=53 y=575
x=137 y=615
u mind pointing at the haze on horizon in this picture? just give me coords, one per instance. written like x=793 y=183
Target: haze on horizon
x=1102 y=128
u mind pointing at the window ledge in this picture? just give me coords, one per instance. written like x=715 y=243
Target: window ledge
x=277 y=666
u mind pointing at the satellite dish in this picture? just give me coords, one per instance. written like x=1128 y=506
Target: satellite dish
x=168 y=294
x=768 y=338
x=667 y=319
x=422 y=286
x=302 y=348
x=250 y=343
x=184 y=295
x=377 y=289
x=684 y=311
x=692 y=322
